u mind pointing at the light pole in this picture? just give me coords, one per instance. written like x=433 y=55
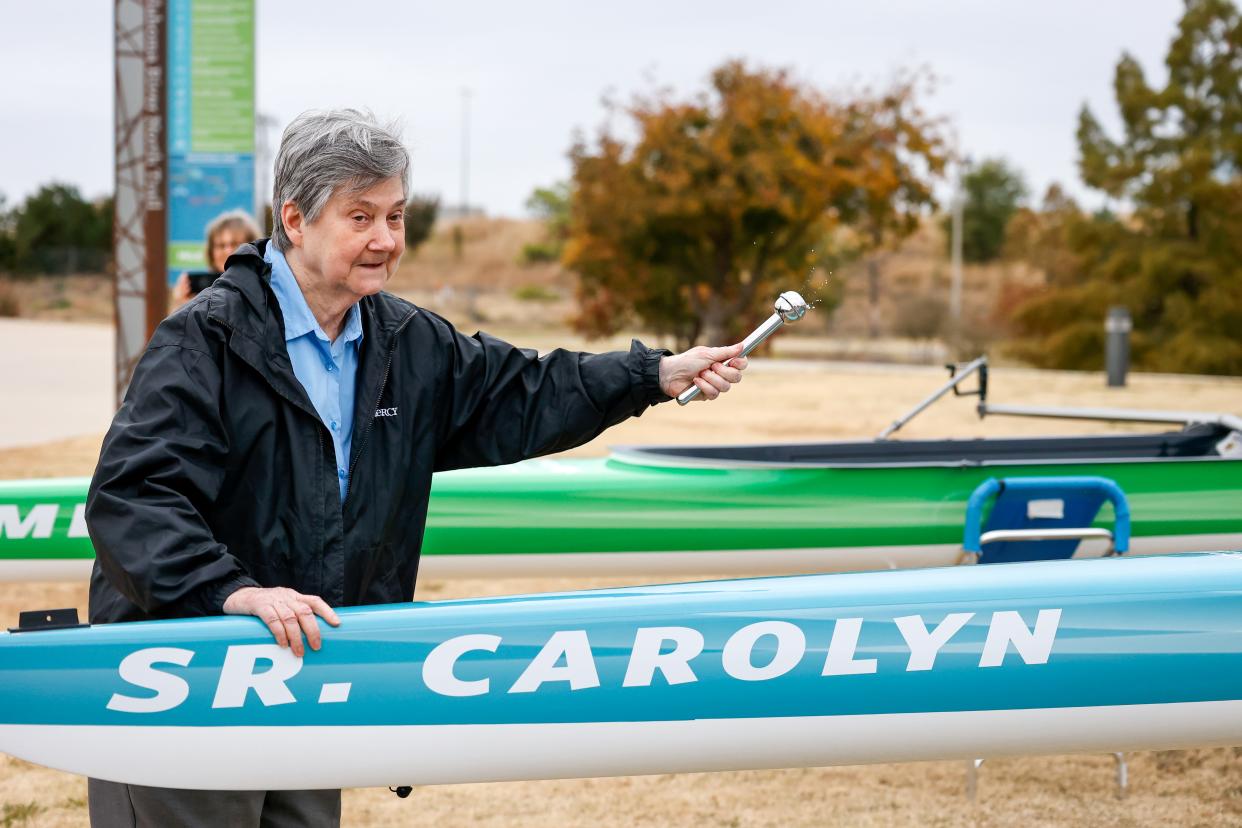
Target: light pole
x=264 y=124
x=465 y=150
x=955 y=284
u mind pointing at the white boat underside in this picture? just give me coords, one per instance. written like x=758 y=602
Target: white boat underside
x=708 y=562
x=40 y=569
x=207 y=757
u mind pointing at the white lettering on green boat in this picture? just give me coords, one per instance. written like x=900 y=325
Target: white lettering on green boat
x=39 y=522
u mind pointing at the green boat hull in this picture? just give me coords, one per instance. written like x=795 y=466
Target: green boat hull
x=655 y=512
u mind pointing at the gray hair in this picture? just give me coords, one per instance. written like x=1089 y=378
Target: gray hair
x=322 y=152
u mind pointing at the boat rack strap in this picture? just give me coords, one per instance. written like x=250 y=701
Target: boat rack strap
x=972 y=541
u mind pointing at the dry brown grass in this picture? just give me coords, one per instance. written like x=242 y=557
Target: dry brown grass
x=808 y=401
x=10 y=303
x=64 y=458
x=81 y=298
x=1200 y=789
x=489 y=260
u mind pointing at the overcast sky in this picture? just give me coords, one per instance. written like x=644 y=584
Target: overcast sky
x=1013 y=73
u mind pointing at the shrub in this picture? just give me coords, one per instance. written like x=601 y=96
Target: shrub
x=920 y=316
x=535 y=293
x=540 y=253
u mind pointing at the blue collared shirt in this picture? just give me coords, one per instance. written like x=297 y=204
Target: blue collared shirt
x=326 y=369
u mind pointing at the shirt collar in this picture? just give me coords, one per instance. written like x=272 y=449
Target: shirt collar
x=299 y=319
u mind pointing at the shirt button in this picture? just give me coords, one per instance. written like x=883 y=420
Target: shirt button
x=331 y=368
x=340 y=473
x=334 y=425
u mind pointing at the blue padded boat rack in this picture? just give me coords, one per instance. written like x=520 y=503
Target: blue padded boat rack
x=1042 y=518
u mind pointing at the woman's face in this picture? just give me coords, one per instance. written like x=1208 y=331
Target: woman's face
x=223 y=244
x=354 y=246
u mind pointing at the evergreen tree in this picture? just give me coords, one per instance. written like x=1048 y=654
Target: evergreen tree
x=7 y=250
x=58 y=231
x=551 y=206
x=420 y=218
x=993 y=191
x=1176 y=260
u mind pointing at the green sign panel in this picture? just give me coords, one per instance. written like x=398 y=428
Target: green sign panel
x=222 y=76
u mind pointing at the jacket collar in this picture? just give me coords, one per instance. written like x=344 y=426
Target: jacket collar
x=244 y=293
x=299 y=318
x=242 y=300
x=248 y=305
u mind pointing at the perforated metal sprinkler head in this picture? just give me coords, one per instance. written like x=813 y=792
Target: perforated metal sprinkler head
x=789 y=307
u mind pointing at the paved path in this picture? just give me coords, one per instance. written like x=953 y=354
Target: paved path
x=55 y=380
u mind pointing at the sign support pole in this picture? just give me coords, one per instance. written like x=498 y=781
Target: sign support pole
x=141 y=170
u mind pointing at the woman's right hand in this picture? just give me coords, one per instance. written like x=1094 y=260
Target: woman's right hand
x=181 y=291
x=287 y=613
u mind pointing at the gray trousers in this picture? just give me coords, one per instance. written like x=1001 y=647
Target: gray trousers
x=113 y=805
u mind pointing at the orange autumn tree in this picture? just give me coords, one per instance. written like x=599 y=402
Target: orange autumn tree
x=728 y=199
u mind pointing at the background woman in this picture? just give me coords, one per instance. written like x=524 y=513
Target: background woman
x=226 y=232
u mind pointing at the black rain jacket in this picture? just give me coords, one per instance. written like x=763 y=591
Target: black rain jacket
x=217 y=472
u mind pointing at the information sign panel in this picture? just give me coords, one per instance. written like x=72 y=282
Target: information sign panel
x=210 y=121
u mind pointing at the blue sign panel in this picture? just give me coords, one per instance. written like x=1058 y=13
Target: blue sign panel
x=210 y=122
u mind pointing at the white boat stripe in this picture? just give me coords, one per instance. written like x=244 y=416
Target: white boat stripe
x=710 y=562
x=765 y=561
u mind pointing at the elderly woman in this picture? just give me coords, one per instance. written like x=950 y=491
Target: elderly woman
x=274 y=453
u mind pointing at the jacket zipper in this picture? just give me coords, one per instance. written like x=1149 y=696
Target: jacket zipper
x=321 y=428
x=367 y=433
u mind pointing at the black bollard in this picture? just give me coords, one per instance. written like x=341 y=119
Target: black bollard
x=1117 y=345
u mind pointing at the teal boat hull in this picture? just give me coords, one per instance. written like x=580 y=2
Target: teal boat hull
x=1012 y=659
